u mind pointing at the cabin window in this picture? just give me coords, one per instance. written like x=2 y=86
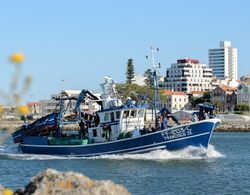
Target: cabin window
x=106 y=117
x=112 y=116
x=94 y=133
x=118 y=114
x=125 y=114
x=133 y=113
x=140 y=113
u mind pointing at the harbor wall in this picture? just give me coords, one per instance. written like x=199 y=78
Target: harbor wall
x=233 y=123
x=229 y=123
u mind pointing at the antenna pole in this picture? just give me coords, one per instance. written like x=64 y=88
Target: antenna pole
x=157 y=100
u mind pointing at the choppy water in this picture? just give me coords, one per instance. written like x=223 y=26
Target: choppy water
x=223 y=169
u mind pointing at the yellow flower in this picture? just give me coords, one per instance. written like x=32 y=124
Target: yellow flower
x=1 y=109
x=17 y=58
x=23 y=109
x=7 y=191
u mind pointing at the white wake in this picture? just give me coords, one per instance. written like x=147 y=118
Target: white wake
x=189 y=153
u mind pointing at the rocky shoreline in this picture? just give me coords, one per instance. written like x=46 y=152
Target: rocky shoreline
x=233 y=127
x=68 y=183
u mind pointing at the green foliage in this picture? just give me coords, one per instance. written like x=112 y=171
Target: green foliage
x=205 y=98
x=241 y=107
x=140 y=94
x=23 y=118
x=130 y=71
x=164 y=98
x=134 y=91
x=149 y=78
x=219 y=106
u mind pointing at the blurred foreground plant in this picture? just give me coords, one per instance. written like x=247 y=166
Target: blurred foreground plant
x=13 y=98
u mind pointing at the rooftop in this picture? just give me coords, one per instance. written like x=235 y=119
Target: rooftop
x=188 y=60
x=197 y=92
x=169 y=92
x=227 y=88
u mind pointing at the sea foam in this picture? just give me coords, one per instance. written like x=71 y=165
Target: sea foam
x=189 y=153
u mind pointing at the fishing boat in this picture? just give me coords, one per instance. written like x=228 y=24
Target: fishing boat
x=116 y=128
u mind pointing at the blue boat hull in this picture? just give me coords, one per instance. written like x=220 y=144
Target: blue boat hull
x=193 y=134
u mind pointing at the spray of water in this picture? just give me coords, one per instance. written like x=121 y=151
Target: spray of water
x=184 y=154
x=189 y=153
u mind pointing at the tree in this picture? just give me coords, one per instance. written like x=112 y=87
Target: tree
x=149 y=78
x=136 y=92
x=141 y=94
x=130 y=71
x=241 y=107
x=204 y=99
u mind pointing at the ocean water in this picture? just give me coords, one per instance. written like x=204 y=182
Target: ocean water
x=223 y=169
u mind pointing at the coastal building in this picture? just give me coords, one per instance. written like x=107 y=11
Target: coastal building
x=217 y=82
x=51 y=105
x=8 y=112
x=176 y=100
x=139 y=80
x=224 y=98
x=188 y=75
x=34 y=107
x=245 y=78
x=224 y=61
x=243 y=94
x=48 y=106
x=196 y=94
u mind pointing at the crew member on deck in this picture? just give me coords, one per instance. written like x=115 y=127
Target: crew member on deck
x=83 y=130
x=164 y=120
x=143 y=131
x=107 y=132
x=136 y=132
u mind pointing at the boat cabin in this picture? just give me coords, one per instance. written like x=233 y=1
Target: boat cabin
x=114 y=122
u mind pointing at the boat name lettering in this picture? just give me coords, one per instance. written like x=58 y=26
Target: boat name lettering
x=131 y=124
x=177 y=133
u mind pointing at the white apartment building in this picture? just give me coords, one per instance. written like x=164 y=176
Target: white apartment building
x=139 y=80
x=188 y=75
x=224 y=61
x=217 y=82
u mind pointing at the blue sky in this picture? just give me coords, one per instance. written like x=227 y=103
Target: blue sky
x=83 y=41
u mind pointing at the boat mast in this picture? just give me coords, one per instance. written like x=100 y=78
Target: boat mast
x=60 y=116
x=157 y=100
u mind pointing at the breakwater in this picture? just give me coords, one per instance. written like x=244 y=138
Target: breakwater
x=227 y=125
x=234 y=126
x=233 y=123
